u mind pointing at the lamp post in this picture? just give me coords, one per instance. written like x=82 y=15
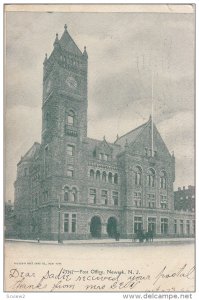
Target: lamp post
x=59 y=222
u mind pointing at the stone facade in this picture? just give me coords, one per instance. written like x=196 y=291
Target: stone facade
x=71 y=186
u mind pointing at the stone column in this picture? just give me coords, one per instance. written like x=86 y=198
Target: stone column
x=104 y=230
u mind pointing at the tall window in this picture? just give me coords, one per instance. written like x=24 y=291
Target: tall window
x=137 y=199
x=181 y=227
x=115 y=198
x=116 y=179
x=66 y=194
x=92 y=196
x=98 y=175
x=151 y=178
x=164 y=225
x=74 y=223
x=152 y=224
x=92 y=173
x=163 y=201
x=70 y=150
x=137 y=224
x=138 y=173
x=194 y=226
x=74 y=195
x=163 y=180
x=151 y=200
x=188 y=227
x=110 y=176
x=175 y=227
x=66 y=222
x=104 y=197
x=70 y=171
x=71 y=118
x=104 y=176
x=70 y=223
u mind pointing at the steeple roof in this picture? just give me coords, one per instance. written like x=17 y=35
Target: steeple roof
x=67 y=44
x=132 y=135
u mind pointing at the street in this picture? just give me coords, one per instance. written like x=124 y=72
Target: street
x=96 y=267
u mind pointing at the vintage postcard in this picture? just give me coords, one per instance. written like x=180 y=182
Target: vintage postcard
x=99 y=148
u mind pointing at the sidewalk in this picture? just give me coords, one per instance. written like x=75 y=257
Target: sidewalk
x=110 y=241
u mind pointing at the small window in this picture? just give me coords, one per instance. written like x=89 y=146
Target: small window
x=138 y=175
x=100 y=156
x=70 y=171
x=70 y=150
x=71 y=118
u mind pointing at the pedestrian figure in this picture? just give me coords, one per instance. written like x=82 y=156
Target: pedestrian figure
x=117 y=236
x=38 y=240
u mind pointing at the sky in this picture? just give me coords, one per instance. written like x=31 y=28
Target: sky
x=124 y=50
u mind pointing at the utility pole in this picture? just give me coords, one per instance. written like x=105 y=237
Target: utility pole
x=59 y=222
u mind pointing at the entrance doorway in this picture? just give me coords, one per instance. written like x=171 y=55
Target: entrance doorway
x=112 y=227
x=96 y=227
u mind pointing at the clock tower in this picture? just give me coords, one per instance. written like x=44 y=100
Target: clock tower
x=64 y=107
x=64 y=119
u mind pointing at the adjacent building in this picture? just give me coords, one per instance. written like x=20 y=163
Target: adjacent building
x=76 y=187
x=184 y=199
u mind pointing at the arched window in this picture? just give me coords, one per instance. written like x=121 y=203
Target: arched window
x=66 y=194
x=110 y=176
x=151 y=178
x=98 y=175
x=116 y=179
x=92 y=173
x=163 y=180
x=138 y=176
x=74 y=195
x=71 y=118
x=104 y=176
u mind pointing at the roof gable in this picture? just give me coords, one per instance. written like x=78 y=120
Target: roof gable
x=130 y=136
x=32 y=152
x=139 y=140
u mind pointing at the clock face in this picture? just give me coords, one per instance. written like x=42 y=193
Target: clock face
x=71 y=82
x=48 y=87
